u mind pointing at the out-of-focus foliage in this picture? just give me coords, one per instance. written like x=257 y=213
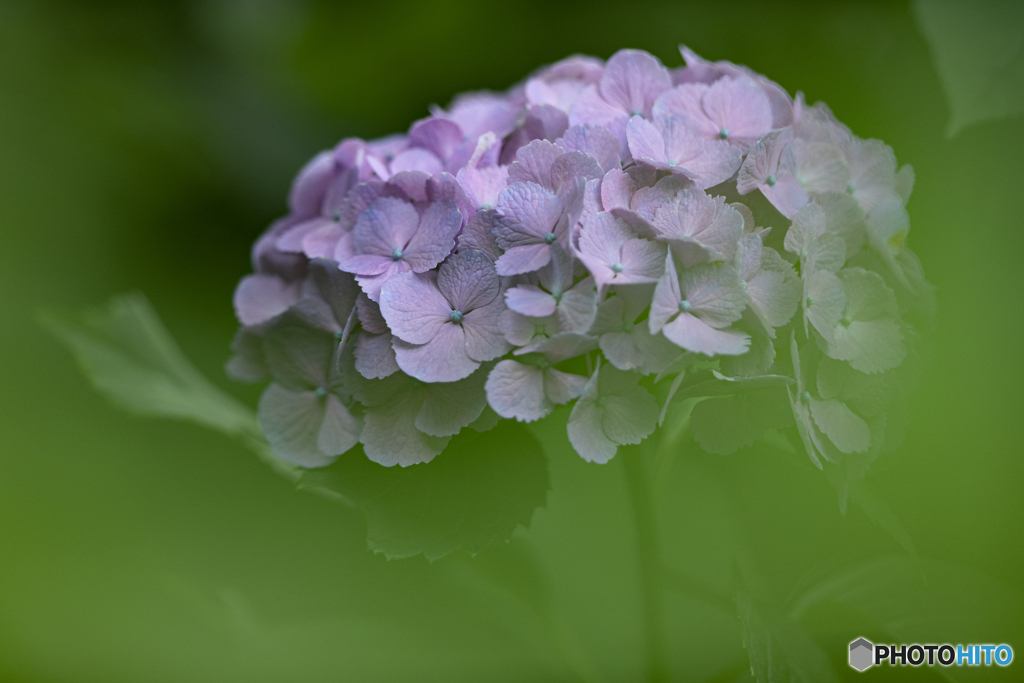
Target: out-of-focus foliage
x=979 y=54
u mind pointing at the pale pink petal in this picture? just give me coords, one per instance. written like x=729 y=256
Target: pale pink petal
x=692 y=334
x=523 y=259
x=375 y=358
x=484 y=338
x=322 y=242
x=370 y=316
x=468 y=280
x=633 y=80
x=527 y=212
x=311 y=183
x=416 y=159
x=667 y=296
x=617 y=190
x=646 y=143
x=261 y=297
x=442 y=359
x=594 y=141
x=441 y=136
x=530 y=300
x=570 y=166
x=533 y=163
x=479 y=235
x=413 y=307
x=483 y=185
x=434 y=240
x=388 y=224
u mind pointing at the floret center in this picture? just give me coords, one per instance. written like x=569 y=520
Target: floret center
x=805 y=397
x=723 y=133
x=549 y=238
x=321 y=392
x=456 y=316
x=616 y=267
x=770 y=180
x=685 y=306
x=396 y=255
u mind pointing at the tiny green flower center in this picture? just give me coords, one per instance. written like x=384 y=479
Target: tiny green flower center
x=723 y=134
x=628 y=327
x=321 y=392
x=549 y=238
x=456 y=316
x=744 y=285
x=810 y=301
x=805 y=397
x=396 y=255
x=850 y=188
x=846 y=321
x=338 y=334
x=543 y=363
x=637 y=112
x=671 y=163
x=485 y=207
x=685 y=306
x=336 y=215
x=556 y=294
x=616 y=267
x=770 y=180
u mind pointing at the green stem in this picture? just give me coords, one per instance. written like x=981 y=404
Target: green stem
x=649 y=554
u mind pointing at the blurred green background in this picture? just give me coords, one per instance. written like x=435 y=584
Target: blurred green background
x=144 y=146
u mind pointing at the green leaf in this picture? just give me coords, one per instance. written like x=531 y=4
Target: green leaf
x=978 y=47
x=131 y=358
x=479 y=489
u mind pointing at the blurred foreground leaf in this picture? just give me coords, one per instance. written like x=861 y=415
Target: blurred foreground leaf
x=478 y=490
x=978 y=47
x=131 y=358
x=779 y=647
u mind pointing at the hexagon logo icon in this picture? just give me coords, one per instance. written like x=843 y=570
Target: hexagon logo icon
x=861 y=654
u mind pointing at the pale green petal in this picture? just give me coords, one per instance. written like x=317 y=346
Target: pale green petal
x=821 y=167
x=827 y=252
x=866 y=394
x=808 y=223
x=824 y=302
x=450 y=406
x=867 y=297
x=291 y=421
x=340 y=429
x=390 y=436
x=848 y=431
x=584 y=428
x=873 y=346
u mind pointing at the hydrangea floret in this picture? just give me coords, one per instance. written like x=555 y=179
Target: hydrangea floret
x=577 y=240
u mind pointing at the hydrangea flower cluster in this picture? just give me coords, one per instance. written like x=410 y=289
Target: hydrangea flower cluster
x=596 y=229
